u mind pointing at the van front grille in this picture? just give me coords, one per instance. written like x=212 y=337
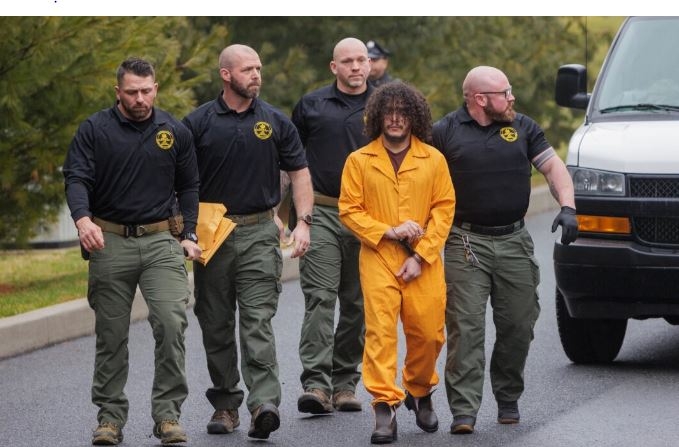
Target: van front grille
x=654 y=187
x=657 y=230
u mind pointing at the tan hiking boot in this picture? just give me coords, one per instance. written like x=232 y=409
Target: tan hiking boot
x=223 y=421
x=314 y=401
x=345 y=400
x=107 y=433
x=265 y=419
x=169 y=432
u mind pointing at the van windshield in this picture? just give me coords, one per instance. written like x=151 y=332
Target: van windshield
x=642 y=73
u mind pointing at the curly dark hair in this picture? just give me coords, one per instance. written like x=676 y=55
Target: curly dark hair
x=405 y=97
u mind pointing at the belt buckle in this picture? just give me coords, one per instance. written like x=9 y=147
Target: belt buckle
x=140 y=230
x=134 y=230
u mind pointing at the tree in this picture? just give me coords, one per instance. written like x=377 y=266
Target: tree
x=56 y=71
x=432 y=53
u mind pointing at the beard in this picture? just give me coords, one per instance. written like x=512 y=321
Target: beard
x=136 y=113
x=241 y=90
x=396 y=139
x=504 y=116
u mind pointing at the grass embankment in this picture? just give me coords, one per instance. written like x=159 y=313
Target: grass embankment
x=33 y=279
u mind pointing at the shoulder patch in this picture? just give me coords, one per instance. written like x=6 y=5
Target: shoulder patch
x=262 y=130
x=164 y=139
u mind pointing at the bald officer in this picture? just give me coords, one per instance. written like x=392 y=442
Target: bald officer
x=242 y=144
x=330 y=124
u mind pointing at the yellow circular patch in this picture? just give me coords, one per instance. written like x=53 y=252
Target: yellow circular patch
x=164 y=139
x=263 y=130
x=509 y=134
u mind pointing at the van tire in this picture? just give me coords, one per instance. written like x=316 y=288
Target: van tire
x=588 y=340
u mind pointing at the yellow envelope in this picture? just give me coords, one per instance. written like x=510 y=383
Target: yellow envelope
x=212 y=229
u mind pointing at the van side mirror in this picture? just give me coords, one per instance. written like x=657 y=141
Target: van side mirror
x=571 y=87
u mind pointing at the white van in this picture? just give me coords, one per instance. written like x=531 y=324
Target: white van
x=624 y=160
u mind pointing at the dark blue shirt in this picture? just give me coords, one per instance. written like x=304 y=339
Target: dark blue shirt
x=118 y=172
x=330 y=125
x=240 y=155
x=490 y=165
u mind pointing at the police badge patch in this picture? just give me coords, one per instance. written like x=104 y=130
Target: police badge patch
x=263 y=130
x=164 y=139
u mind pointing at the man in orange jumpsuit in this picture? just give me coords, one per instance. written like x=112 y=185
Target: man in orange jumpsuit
x=397 y=198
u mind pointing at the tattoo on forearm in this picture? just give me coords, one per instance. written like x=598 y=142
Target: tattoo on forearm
x=554 y=191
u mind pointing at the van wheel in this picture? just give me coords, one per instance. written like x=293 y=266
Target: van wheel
x=586 y=340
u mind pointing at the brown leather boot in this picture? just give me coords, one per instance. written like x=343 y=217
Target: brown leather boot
x=425 y=417
x=385 y=424
x=223 y=421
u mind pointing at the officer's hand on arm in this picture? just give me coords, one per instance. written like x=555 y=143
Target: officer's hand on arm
x=569 y=225
x=90 y=234
x=191 y=249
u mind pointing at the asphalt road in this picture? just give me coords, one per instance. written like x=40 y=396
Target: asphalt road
x=45 y=395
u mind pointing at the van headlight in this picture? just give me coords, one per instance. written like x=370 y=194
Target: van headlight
x=597 y=183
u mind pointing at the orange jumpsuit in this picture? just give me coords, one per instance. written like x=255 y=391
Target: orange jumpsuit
x=373 y=199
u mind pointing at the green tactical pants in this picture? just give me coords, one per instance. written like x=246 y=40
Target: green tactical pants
x=155 y=262
x=329 y=270
x=508 y=273
x=244 y=273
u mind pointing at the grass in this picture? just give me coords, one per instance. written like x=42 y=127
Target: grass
x=33 y=279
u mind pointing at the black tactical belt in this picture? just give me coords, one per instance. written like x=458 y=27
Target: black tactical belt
x=502 y=230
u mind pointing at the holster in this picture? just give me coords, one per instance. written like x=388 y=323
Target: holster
x=292 y=215
x=176 y=224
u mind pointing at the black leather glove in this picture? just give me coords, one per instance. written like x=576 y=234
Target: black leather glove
x=569 y=225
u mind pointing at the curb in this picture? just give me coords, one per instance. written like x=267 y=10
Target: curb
x=54 y=324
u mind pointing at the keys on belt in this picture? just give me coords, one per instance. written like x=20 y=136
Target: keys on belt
x=469 y=254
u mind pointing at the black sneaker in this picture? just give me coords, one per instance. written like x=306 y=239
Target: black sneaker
x=462 y=425
x=508 y=412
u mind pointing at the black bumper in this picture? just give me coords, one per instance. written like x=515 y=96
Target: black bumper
x=602 y=278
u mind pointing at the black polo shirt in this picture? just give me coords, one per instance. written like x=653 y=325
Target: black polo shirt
x=121 y=173
x=490 y=165
x=240 y=155
x=330 y=124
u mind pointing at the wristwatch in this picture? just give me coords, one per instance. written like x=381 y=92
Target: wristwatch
x=193 y=237
x=307 y=219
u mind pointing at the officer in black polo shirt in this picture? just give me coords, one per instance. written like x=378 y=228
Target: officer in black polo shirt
x=330 y=123
x=124 y=171
x=379 y=63
x=242 y=143
x=490 y=148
